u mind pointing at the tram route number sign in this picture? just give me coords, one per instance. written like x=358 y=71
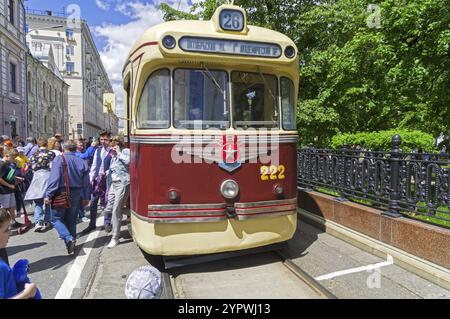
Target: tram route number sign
x=234 y=47
x=231 y=20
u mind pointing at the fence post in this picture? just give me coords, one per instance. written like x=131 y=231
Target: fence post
x=307 y=150
x=394 y=161
x=343 y=183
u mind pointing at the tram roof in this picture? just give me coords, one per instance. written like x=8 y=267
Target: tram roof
x=207 y=29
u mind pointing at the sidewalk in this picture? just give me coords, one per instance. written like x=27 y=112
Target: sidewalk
x=348 y=269
x=113 y=268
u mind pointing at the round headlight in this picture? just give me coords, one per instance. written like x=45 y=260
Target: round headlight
x=289 y=52
x=169 y=42
x=229 y=189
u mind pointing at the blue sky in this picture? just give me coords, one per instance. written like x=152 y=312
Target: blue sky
x=115 y=26
x=88 y=11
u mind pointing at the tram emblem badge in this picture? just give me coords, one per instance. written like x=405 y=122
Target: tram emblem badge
x=231 y=152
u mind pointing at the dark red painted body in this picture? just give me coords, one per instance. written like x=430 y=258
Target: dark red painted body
x=153 y=173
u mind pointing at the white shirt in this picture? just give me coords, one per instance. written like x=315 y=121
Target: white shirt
x=103 y=155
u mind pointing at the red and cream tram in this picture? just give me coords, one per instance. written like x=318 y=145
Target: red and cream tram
x=212 y=132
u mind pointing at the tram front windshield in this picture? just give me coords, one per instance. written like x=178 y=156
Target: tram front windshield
x=254 y=100
x=201 y=100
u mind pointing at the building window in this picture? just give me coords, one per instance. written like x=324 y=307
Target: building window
x=70 y=50
x=70 y=67
x=45 y=124
x=37 y=46
x=50 y=92
x=11 y=11
x=69 y=33
x=44 y=90
x=30 y=120
x=12 y=77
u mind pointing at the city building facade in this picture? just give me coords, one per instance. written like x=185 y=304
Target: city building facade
x=47 y=93
x=78 y=60
x=12 y=68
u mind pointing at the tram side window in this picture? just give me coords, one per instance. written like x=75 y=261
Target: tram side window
x=254 y=100
x=201 y=99
x=153 y=108
x=287 y=104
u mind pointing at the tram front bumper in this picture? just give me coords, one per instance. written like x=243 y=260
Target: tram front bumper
x=195 y=213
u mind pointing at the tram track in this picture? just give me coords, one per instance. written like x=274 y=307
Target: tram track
x=305 y=277
x=174 y=288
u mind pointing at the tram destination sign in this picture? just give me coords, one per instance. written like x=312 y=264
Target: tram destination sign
x=234 y=47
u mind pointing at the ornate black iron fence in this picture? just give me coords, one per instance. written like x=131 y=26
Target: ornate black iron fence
x=398 y=183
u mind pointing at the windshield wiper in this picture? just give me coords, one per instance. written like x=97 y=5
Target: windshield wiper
x=212 y=79
x=270 y=91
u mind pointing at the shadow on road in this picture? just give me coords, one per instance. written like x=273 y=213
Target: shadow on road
x=12 y=250
x=52 y=263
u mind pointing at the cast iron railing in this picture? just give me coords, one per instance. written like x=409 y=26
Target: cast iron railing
x=396 y=182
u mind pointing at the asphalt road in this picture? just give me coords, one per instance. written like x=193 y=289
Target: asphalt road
x=56 y=273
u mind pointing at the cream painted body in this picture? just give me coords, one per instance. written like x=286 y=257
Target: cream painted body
x=206 y=238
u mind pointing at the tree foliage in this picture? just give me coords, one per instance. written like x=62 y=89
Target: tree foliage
x=355 y=75
x=382 y=141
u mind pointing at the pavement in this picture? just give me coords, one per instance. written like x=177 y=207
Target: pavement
x=355 y=274
x=96 y=272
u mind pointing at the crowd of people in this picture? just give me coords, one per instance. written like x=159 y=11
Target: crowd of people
x=42 y=171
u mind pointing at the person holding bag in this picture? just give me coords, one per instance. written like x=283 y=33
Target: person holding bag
x=69 y=180
x=40 y=165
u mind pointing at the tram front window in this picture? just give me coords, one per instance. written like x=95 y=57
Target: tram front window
x=254 y=100
x=201 y=99
x=153 y=108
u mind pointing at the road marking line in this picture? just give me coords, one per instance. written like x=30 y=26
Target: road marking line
x=72 y=279
x=390 y=261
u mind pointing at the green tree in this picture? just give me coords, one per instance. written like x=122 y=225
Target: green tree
x=355 y=75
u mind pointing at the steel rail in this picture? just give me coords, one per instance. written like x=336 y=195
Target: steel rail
x=303 y=276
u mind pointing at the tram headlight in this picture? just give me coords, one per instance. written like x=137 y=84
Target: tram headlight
x=169 y=42
x=289 y=52
x=229 y=189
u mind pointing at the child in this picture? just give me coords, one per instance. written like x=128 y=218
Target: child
x=21 y=160
x=8 y=184
x=8 y=287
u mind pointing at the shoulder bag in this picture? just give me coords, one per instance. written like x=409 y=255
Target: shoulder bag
x=62 y=200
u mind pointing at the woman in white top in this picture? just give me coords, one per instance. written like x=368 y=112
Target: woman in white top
x=54 y=145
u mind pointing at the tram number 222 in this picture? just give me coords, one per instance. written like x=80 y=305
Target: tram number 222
x=272 y=172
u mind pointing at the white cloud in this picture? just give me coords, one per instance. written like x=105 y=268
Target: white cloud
x=121 y=37
x=102 y=4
